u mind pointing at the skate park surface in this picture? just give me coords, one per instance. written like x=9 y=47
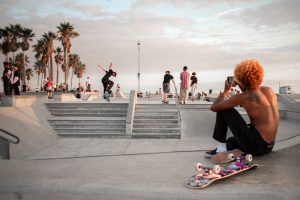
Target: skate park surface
x=45 y=166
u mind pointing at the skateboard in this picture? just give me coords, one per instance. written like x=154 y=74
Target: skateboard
x=208 y=175
x=226 y=157
x=106 y=96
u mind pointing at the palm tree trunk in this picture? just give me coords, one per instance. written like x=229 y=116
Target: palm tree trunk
x=24 y=73
x=57 y=73
x=38 y=81
x=66 y=68
x=72 y=80
x=51 y=68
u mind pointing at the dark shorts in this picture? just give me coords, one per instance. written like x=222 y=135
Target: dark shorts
x=166 y=87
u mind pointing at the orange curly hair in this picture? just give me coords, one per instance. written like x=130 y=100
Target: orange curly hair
x=249 y=73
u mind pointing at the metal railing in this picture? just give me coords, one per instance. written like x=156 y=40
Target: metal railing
x=9 y=136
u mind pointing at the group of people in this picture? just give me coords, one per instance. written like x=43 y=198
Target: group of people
x=260 y=103
x=11 y=79
x=186 y=82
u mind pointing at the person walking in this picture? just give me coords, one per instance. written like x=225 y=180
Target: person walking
x=184 y=85
x=166 y=86
x=88 y=84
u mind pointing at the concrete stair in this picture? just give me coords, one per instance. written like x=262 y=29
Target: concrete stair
x=88 y=119
x=156 y=121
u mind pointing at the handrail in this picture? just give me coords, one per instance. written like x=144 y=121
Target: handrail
x=16 y=141
x=177 y=106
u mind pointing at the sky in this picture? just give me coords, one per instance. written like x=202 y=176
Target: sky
x=210 y=37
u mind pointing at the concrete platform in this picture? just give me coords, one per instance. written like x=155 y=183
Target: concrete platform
x=99 y=168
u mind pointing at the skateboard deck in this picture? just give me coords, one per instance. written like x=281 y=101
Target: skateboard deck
x=207 y=175
x=223 y=157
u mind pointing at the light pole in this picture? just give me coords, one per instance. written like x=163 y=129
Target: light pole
x=138 y=74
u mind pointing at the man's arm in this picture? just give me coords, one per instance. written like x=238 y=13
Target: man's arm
x=101 y=68
x=221 y=104
x=110 y=65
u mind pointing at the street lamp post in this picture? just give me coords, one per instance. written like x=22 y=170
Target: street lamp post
x=139 y=74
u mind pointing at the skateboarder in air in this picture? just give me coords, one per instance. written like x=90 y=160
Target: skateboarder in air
x=107 y=84
x=260 y=103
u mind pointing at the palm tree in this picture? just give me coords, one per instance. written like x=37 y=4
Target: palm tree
x=49 y=49
x=39 y=68
x=74 y=60
x=66 y=32
x=6 y=42
x=58 y=59
x=28 y=74
x=15 y=34
x=80 y=70
x=21 y=62
x=26 y=35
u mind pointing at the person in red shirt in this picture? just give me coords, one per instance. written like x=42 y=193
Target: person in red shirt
x=184 y=85
x=49 y=85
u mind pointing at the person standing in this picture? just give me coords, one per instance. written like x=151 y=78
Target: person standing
x=49 y=88
x=88 y=84
x=16 y=80
x=166 y=86
x=6 y=79
x=194 y=85
x=184 y=85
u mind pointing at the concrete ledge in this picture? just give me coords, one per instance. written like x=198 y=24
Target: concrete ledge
x=65 y=97
x=89 y=96
x=21 y=101
x=130 y=111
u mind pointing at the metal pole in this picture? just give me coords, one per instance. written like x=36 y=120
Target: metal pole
x=139 y=74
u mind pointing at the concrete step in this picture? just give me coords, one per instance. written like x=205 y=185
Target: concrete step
x=90 y=130
x=89 y=111
x=156 y=130
x=155 y=106
x=153 y=125
x=122 y=109
x=86 y=104
x=96 y=135
x=88 y=126
x=156 y=121
x=81 y=114
x=156 y=114
x=156 y=135
x=87 y=122
x=150 y=110
x=136 y=117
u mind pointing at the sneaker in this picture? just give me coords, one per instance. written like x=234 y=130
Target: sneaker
x=211 y=153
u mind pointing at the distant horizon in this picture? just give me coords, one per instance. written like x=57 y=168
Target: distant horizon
x=210 y=37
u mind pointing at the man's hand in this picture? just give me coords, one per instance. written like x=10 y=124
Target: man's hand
x=227 y=88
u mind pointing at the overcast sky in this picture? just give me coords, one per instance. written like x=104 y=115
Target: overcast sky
x=210 y=37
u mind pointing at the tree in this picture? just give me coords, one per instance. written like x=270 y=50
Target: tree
x=14 y=36
x=80 y=70
x=21 y=62
x=40 y=69
x=26 y=35
x=28 y=74
x=66 y=32
x=58 y=60
x=74 y=60
x=49 y=49
x=5 y=35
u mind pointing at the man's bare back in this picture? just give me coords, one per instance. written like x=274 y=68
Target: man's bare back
x=262 y=108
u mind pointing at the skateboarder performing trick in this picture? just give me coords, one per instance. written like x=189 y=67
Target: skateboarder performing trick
x=107 y=83
x=260 y=103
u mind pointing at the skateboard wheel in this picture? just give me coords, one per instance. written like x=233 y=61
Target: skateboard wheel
x=231 y=156
x=199 y=166
x=249 y=158
x=217 y=169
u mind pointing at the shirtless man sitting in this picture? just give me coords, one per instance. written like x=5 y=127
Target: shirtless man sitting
x=260 y=103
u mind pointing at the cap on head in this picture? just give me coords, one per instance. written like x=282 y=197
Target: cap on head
x=194 y=73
